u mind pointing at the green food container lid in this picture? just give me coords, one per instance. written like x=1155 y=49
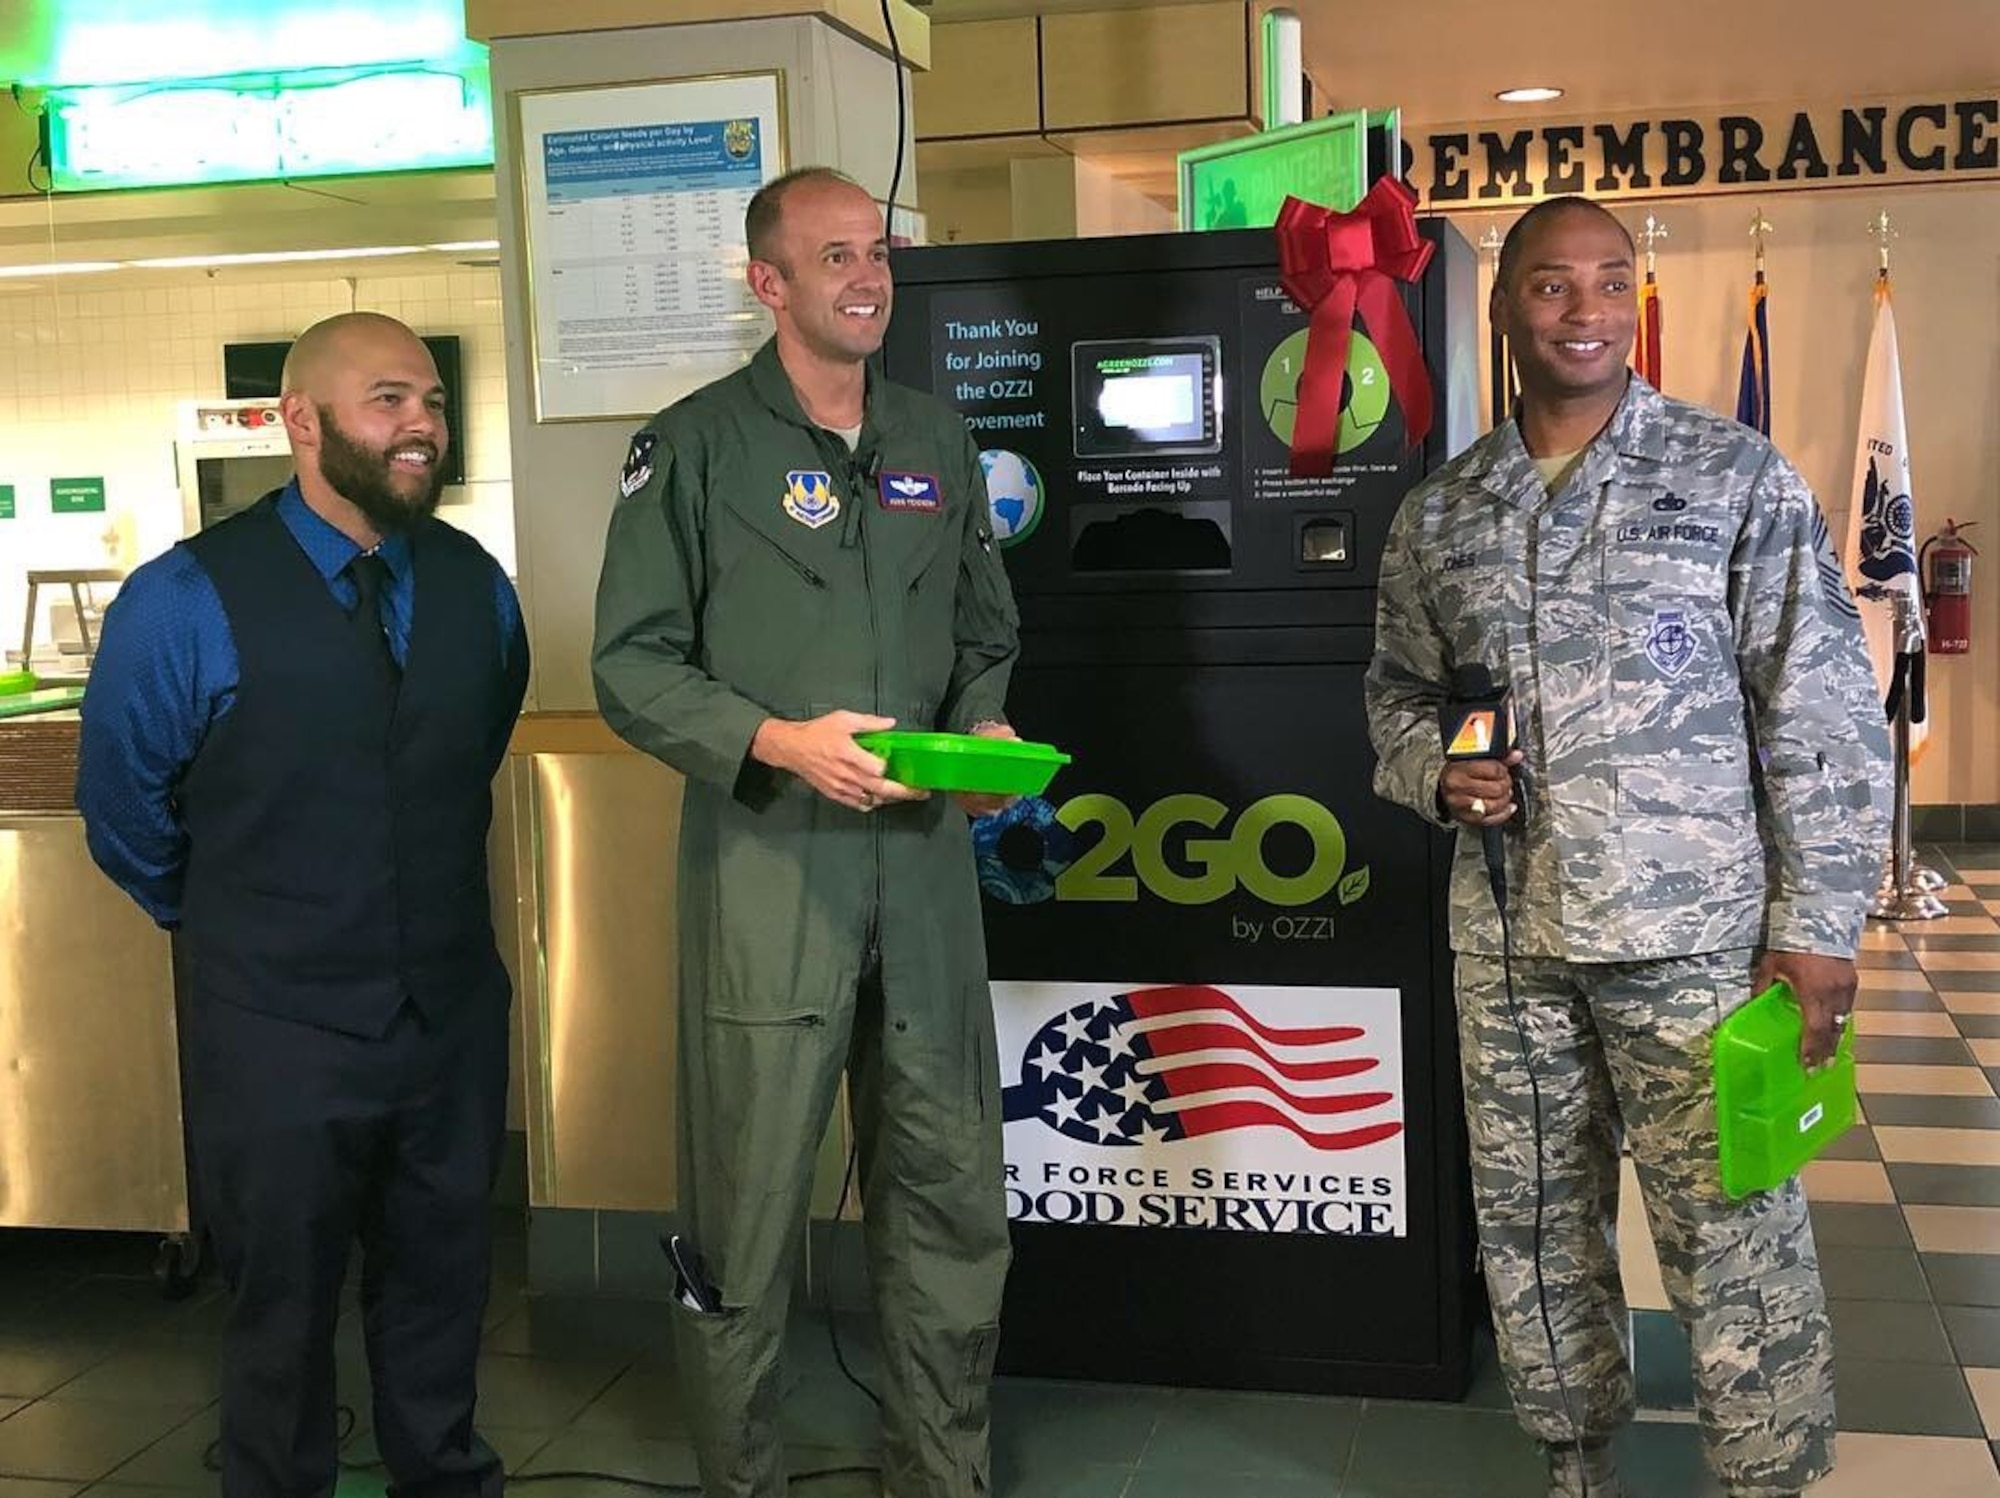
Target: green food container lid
x=965 y=762
x=1773 y=1115
x=12 y=682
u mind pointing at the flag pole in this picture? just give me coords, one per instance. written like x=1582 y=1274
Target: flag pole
x=1499 y=366
x=1912 y=875
x=1901 y=897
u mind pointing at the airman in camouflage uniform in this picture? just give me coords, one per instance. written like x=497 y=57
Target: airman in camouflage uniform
x=1703 y=756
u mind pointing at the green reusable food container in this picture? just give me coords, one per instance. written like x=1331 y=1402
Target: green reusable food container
x=965 y=762
x=1774 y=1116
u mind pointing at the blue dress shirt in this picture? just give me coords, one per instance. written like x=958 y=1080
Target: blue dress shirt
x=166 y=669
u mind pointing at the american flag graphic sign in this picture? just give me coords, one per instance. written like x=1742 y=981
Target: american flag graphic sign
x=1230 y=1093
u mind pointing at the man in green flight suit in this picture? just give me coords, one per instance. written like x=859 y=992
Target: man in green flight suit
x=802 y=552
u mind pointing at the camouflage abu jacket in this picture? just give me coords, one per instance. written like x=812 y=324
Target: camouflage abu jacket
x=1707 y=759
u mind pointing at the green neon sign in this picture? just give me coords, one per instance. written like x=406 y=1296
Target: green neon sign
x=273 y=126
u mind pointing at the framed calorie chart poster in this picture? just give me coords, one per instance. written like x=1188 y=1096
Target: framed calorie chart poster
x=632 y=199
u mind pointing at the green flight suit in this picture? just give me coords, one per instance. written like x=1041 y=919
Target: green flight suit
x=757 y=568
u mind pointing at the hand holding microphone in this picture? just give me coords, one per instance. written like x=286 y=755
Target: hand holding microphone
x=1479 y=793
x=1476 y=786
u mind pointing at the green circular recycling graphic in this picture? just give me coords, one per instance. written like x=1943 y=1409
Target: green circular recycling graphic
x=1367 y=391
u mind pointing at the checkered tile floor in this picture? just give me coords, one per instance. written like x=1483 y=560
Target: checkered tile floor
x=1907 y=1207
x=106 y=1389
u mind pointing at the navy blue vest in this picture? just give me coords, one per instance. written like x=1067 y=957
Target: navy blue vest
x=337 y=824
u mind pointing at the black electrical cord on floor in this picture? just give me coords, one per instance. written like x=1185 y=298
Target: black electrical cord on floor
x=345 y=1421
x=1499 y=881
x=902 y=124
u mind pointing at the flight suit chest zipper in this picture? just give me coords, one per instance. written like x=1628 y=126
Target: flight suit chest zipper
x=857 y=479
x=808 y=574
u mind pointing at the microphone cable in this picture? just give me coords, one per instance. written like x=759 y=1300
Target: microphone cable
x=902 y=123
x=1496 y=878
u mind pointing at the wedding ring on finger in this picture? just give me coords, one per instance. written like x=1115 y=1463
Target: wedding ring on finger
x=1478 y=807
x=867 y=800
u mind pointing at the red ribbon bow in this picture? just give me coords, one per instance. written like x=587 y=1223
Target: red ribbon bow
x=1333 y=265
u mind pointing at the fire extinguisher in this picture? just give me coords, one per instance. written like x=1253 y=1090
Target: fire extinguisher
x=1944 y=564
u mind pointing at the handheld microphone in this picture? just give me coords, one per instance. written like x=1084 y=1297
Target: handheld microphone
x=1477 y=722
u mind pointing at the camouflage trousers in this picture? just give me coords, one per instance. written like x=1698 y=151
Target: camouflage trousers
x=1622 y=1051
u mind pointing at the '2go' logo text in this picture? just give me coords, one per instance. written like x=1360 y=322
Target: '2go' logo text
x=1183 y=849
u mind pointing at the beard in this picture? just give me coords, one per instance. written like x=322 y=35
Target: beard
x=362 y=476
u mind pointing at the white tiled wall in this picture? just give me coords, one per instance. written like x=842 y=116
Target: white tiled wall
x=91 y=380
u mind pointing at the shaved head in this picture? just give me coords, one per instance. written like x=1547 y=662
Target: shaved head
x=336 y=343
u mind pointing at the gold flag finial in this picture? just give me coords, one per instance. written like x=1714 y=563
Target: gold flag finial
x=1882 y=232
x=1491 y=241
x=1760 y=230
x=1650 y=234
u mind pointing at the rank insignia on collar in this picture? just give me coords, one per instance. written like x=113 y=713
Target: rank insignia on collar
x=809 y=498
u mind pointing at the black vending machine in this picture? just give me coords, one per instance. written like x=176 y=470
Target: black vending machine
x=1234 y=1150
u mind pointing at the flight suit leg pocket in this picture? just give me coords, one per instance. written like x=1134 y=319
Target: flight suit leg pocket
x=764 y=1103
x=981 y=1092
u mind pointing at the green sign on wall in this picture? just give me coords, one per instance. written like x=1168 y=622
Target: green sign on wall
x=6 y=501
x=1241 y=184
x=76 y=496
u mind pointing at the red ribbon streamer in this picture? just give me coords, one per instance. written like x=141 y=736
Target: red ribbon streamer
x=1333 y=265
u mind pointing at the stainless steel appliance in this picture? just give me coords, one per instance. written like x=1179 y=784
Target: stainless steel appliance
x=229 y=454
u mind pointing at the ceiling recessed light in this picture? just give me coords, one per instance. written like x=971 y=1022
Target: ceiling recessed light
x=60 y=268
x=1540 y=93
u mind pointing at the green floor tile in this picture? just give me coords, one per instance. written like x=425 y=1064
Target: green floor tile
x=1872 y=1274
x=1899 y=1001
x=1260 y=1435
x=1888 y=1331
x=1858 y=1225
x=1912 y=1050
x=1105 y=1423
x=1974 y=1333
x=1661 y=1459
x=1856 y=1144
x=590 y=1451
x=1661 y=1361
x=1902 y=1399
x=1964 y=1279
x=80 y=1441
x=1875 y=960
x=1908 y=1110
x=1412 y=1449
x=1946 y=1185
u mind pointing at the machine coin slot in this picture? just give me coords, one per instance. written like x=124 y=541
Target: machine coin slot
x=1325 y=541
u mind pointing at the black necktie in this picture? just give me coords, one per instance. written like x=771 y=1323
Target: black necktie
x=370 y=574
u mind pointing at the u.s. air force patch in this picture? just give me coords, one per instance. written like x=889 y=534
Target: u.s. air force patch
x=809 y=498
x=638 y=464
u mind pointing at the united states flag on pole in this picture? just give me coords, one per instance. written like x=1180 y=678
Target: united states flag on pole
x=1882 y=521
x=1152 y=1065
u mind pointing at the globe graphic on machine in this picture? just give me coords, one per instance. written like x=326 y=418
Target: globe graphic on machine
x=1014 y=494
x=1365 y=396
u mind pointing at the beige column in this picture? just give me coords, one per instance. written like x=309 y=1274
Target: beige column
x=840 y=105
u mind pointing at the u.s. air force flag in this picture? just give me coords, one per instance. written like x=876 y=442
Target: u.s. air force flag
x=1881 y=550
